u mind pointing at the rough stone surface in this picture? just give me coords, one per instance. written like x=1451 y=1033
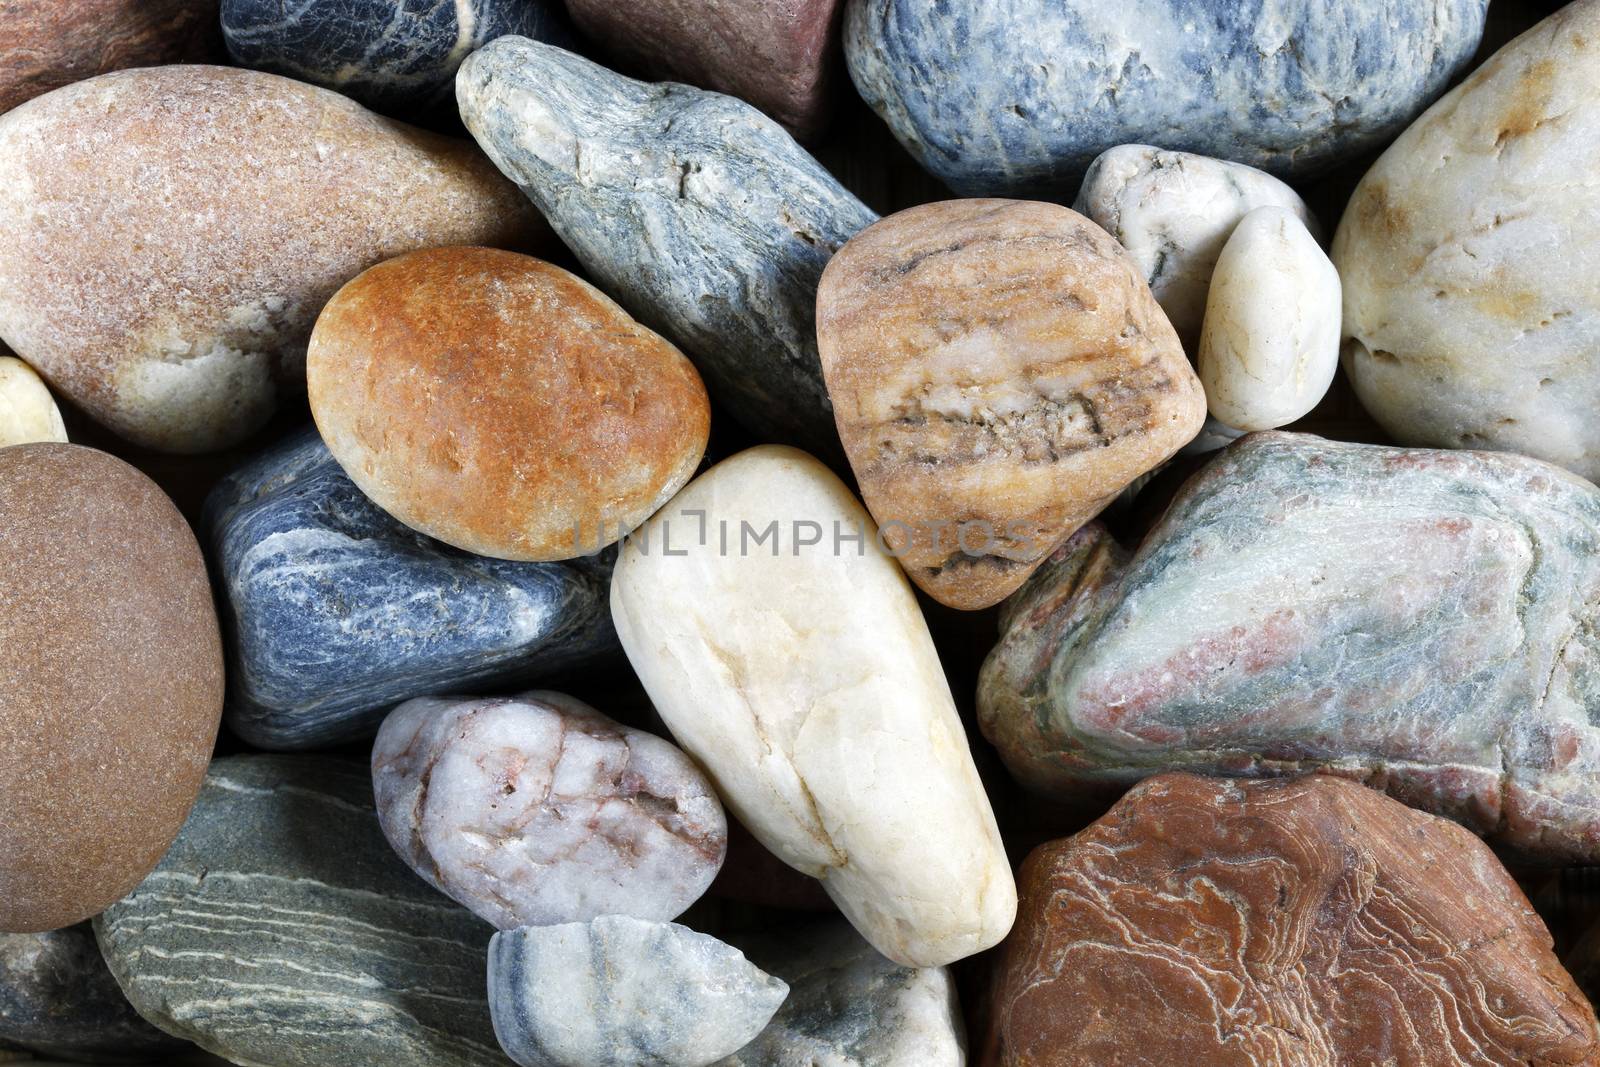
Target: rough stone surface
x=1306 y=923
x=110 y=681
x=1470 y=255
x=624 y=992
x=780 y=55
x=28 y=412
x=336 y=612
x=800 y=674
x=501 y=404
x=1422 y=621
x=282 y=930
x=1018 y=96
x=698 y=213
x=171 y=234
x=999 y=373
x=538 y=810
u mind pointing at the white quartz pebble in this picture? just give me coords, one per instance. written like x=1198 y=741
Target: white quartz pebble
x=28 y=413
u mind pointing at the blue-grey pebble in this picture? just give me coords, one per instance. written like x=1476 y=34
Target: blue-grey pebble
x=335 y=611
x=1017 y=97
x=694 y=210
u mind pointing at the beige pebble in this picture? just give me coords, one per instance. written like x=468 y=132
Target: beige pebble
x=27 y=410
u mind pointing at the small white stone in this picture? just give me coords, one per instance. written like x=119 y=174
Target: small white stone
x=27 y=411
x=1270 y=344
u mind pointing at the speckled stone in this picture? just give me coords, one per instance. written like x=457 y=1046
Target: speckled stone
x=397 y=56
x=1016 y=97
x=1421 y=621
x=27 y=410
x=694 y=210
x=282 y=930
x=110 y=681
x=337 y=612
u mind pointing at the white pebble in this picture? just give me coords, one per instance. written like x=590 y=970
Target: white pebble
x=27 y=411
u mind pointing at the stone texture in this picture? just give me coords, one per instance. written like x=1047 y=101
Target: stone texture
x=623 y=992
x=779 y=55
x=28 y=412
x=695 y=211
x=501 y=404
x=999 y=373
x=1470 y=255
x=110 y=681
x=1016 y=97
x=798 y=671
x=538 y=810
x=1306 y=923
x=337 y=612
x=1421 y=621
x=171 y=234
x=281 y=930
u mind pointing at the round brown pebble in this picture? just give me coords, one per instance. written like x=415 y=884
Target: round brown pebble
x=110 y=681
x=502 y=405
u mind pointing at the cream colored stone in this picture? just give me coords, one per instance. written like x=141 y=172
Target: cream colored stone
x=803 y=678
x=27 y=410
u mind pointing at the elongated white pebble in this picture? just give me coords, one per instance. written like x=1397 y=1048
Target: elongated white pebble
x=28 y=412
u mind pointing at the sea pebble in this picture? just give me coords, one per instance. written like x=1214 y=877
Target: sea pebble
x=27 y=410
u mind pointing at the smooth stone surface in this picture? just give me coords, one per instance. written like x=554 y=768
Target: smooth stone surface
x=1270 y=345
x=396 y=56
x=171 y=234
x=999 y=373
x=1416 y=620
x=799 y=672
x=1173 y=212
x=502 y=405
x=58 y=999
x=1470 y=255
x=281 y=930
x=698 y=213
x=1309 y=922
x=538 y=810
x=1017 y=97
x=28 y=412
x=110 y=681
x=779 y=55
x=336 y=612
x=624 y=992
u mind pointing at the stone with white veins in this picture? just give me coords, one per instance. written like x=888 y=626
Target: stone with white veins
x=624 y=992
x=27 y=410
x=694 y=210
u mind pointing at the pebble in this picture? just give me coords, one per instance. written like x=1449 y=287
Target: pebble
x=1412 y=619
x=697 y=212
x=172 y=232
x=281 y=930
x=1471 y=295
x=1270 y=345
x=624 y=992
x=502 y=405
x=1294 y=86
x=337 y=612
x=1309 y=922
x=538 y=810
x=110 y=681
x=28 y=412
x=999 y=373
x=795 y=666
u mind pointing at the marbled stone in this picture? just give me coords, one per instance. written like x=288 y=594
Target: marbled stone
x=28 y=412
x=110 y=681
x=780 y=55
x=1311 y=923
x=1173 y=212
x=624 y=992
x=1470 y=255
x=697 y=212
x=1270 y=345
x=58 y=999
x=795 y=666
x=1421 y=621
x=1016 y=97
x=397 y=56
x=171 y=234
x=501 y=404
x=538 y=810
x=999 y=373
x=336 y=612
x=281 y=930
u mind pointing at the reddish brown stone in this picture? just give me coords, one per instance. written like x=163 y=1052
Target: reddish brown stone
x=1309 y=922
